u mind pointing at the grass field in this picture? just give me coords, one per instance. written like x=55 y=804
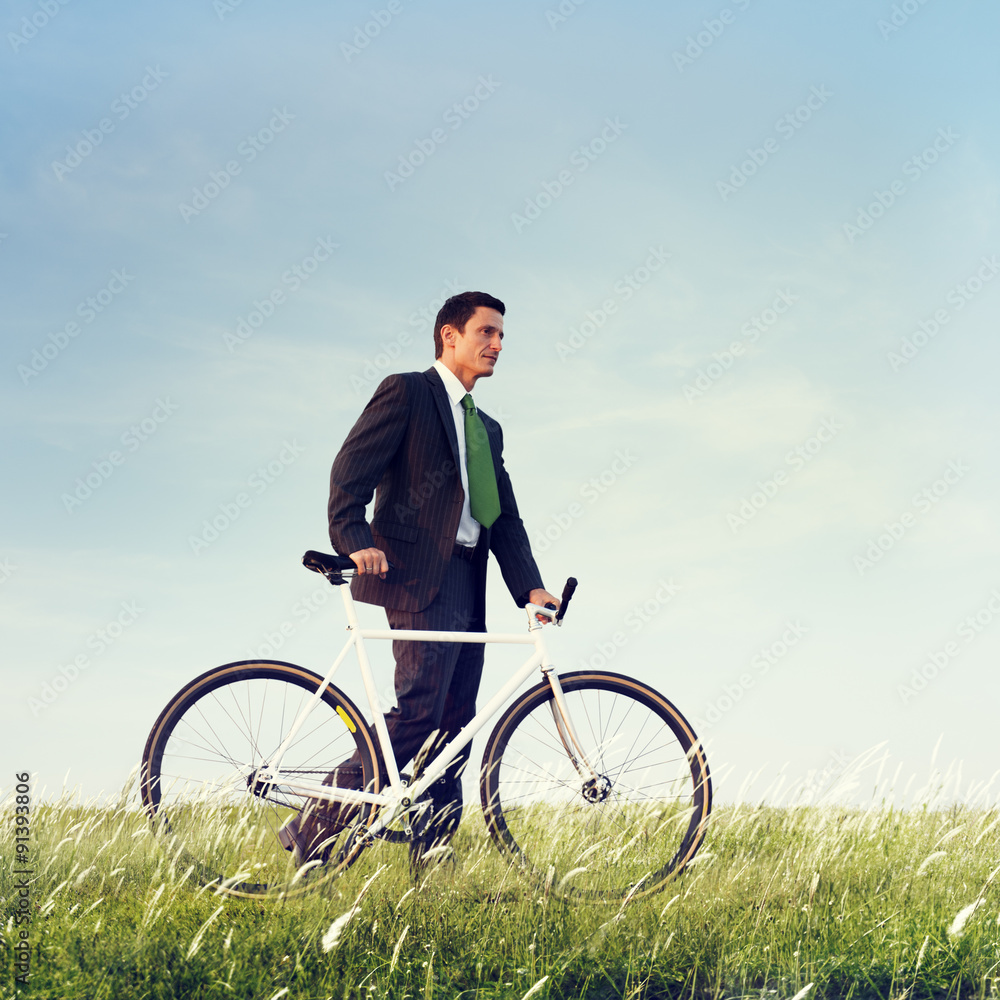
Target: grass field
x=810 y=901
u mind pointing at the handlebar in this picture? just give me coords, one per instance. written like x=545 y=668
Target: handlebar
x=567 y=593
x=333 y=567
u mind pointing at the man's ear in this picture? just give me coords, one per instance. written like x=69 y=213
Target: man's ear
x=448 y=334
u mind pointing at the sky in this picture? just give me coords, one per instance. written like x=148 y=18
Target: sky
x=747 y=388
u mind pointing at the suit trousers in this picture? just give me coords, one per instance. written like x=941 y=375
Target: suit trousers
x=437 y=682
x=436 y=686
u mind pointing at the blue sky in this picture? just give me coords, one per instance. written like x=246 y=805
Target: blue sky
x=747 y=386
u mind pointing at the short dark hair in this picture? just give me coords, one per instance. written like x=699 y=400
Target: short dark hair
x=458 y=310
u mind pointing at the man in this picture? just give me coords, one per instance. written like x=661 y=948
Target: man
x=415 y=447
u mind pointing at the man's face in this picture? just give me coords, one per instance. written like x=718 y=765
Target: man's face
x=477 y=349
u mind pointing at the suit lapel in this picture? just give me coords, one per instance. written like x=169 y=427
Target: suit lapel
x=443 y=403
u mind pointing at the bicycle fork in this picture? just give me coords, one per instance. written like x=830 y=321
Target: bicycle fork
x=596 y=787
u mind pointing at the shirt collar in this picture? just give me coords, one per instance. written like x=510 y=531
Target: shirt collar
x=456 y=391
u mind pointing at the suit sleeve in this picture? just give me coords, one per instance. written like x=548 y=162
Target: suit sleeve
x=361 y=462
x=509 y=541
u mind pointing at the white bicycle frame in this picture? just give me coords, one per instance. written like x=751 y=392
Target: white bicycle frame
x=399 y=795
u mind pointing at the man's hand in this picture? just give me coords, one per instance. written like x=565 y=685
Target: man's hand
x=370 y=561
x=541 y=598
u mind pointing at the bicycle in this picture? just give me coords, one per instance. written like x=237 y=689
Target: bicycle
x=592 y=781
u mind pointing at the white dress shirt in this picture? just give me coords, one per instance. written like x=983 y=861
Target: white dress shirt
x=468 y=526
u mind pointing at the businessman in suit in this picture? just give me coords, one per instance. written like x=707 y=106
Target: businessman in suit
x=411 y=448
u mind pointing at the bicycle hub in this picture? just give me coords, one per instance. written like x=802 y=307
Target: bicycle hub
x=596 y=789
x=259 y=783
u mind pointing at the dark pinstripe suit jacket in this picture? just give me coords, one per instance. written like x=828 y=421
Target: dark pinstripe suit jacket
x=403 y=449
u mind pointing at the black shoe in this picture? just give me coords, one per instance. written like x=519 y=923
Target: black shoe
x=311 y=834
x=309 y=840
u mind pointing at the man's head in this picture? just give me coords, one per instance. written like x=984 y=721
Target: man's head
x=458 y=310
x=468 y=334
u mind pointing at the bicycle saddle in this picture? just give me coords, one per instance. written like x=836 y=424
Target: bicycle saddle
x=328 y=565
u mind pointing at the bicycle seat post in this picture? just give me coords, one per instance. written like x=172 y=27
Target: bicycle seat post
x=349 y=609
x=368 y=678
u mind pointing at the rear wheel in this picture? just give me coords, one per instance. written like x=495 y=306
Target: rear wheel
x=207 y=744
x=626 y=831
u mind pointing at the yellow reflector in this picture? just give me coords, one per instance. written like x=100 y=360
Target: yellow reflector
x=347 y=719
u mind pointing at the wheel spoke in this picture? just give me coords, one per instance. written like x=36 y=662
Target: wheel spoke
x=602 y=836
x=214 y=736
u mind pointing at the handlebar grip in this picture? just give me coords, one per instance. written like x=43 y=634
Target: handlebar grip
x=567 y=594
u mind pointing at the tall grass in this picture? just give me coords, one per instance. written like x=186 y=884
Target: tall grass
x=812 y=901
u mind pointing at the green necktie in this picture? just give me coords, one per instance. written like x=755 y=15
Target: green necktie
x=484 y=500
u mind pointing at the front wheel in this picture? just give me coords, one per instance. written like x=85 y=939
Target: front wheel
x=200 y=758
x=624 y=830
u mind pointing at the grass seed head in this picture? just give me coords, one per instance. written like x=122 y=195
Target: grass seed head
x=395 y=951
x=929 y=860
x=957 y=928
x=199 y=937
x=534 y=989
x=332 y=936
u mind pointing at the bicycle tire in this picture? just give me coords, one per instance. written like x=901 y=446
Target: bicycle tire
x=587 y=841
x=207 y=742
